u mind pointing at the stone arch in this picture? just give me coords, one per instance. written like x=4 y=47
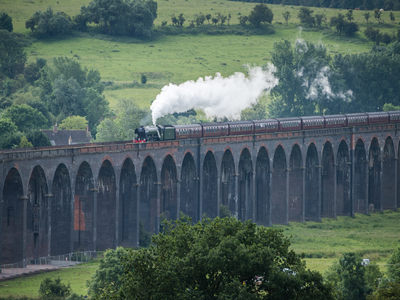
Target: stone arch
x=128 y=198
x=11 y=245
x=312 y=191
x=169 y=205
x=398 y=176
x=295 y=205
x=343 y=203
x=278 y=184
x=106 y=207
x=210 y=200
x=227 y=182
x=360 y=177
x=245 y=182
x=148 y=211
x=327 y=182
x=37 y=231
x=374 y=176
x=388 y=175
x=189 y=188
x=84 y=208
x=61 y=212
x=263 y=192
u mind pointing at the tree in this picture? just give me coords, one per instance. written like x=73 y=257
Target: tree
x=394 y=266
x=260 y=14
x=392 y=17
x=299 y=70
x=349 y=15
x=348 y=277
x=74 y=123
x=378 y=15
x=343 y=26
x=208 y=17
x=47 y=24
x=286 y=16
x=118 y=17
x=213 y=259
x=320 y=19
x=25 y=117
x=12 y=55
x=366 y=17
x=181 y=20
x=306 y=17
x=38 y=139
x=24 y=143
x=9 y=135
x=6 y=22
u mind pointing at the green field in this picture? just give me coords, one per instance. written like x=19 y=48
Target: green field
x=322 y=243
x=76 y=276
x=122 y=60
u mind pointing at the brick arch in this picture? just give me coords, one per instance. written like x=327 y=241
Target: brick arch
x=210 y=188
x=228 y=182
x=278 y=184
x=245 y=183
x=168 y=198
x=328 y=181
x=11 y=230
x=128 y=198
x=263 y=188
x=312 y=188
x=189 y=192
x=388 y=175
x=296 y=175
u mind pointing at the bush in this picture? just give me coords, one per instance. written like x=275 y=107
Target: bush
x=260 y=14
x=394 y=266
x=38 y=139
x=53 y=289
x=47 y=24
x=6 y=22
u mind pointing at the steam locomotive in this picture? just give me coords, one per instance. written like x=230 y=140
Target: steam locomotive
x=172 y=132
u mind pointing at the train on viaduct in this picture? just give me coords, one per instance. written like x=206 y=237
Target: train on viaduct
x=58 y=200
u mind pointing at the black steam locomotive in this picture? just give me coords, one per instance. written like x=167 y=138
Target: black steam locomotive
x=172 y=132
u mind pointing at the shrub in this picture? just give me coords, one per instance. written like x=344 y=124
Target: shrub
x=48 y=24
x=53 y=289
x=260 y=14
x=6 y=22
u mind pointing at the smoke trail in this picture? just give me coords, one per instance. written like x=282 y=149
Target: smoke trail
x=217 y=96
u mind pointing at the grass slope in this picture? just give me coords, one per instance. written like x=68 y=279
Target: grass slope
x=76 y=276
x=177 y=58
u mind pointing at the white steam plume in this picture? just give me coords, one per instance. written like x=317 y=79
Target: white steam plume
x=217 y=96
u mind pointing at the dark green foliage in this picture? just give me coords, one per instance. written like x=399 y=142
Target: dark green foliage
x=213 y=259
x=306 y=17
x=296 y=68
x=348 y=278
x=118 y=17
x=9 y=135
x=260 y=14
x=106 y=281
x=12 y=55
x=53 y=289
x=373 y=277
x=143 y=79
x=344 y=26
x=38 y=139
x=25 y=117
x=6 y=22
x=387 y=291
x=48 y=24
x=394 y=266
x=69 y=89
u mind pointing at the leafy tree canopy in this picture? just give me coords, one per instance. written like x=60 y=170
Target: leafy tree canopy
x=213 y=259
x=119 y=17
x=12 y=55
x=74 y=122
x=260 y=14
x=25 y=117
x=9 y=135
x=6 y=22
x=48 y=24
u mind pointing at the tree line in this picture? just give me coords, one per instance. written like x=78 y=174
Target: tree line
x=346 y=4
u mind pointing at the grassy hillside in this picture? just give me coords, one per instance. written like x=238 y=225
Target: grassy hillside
x=122 y=60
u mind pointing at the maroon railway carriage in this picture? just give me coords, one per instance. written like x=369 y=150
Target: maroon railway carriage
x=241 y=127
x=265 y=126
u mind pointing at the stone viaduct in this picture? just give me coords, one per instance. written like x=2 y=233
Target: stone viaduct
x=58 y=200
